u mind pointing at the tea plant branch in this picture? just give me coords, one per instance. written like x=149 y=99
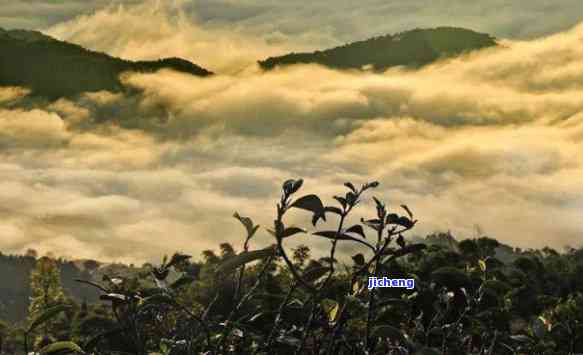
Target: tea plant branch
x=348 y=204
x=234 y=312
x=278 y=317
x=92 y=284
x=241 y=271
x=282 y=208
x=351 y=200
x=251 y=230
x=337 y=329
x=210 y=305
x=491 y=348
x=201 y=321
x=333 y=250
x=292 y=268
x=371 y=296
x=455 y=326
x=307 y=326
x=345 y=212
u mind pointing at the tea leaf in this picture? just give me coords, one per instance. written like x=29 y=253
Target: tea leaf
x=234 y=262
x=482 y=264
x=47 y=315
x=357 y=228
x=288 y=232
x=61 y=347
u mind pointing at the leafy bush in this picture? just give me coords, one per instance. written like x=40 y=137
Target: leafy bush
x=273 y=301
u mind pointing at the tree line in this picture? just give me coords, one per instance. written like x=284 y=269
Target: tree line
x=469 y=297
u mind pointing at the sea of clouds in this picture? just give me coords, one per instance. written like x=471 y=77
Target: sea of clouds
x=493 y=138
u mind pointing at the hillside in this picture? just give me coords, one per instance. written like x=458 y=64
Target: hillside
x=413 y=48
x=15 y=274
x=15 y=287
x=53 y=68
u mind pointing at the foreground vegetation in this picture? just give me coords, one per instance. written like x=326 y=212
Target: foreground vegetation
x=279 y=300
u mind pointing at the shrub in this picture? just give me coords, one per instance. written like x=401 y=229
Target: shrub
x=279 y=301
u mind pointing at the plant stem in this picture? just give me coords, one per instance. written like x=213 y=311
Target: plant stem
x=227 y=323
x=307 y=326
x=242 y=271
x=279 y=313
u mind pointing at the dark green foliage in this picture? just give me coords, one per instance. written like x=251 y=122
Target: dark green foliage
x=412 y=49
x=46 y=316
x=451 y=277
x=15 y=287
x=54 y=69
x=61 y=347
x=234 y=262
x=263 y=301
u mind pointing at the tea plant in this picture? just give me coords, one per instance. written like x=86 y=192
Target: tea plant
x=271 y=301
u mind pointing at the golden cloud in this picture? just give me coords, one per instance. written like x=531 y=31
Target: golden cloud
x=491 y=138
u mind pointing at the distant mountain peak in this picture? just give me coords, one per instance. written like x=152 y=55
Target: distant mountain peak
x=413 y=48
x=26 y=35
x=52 y=68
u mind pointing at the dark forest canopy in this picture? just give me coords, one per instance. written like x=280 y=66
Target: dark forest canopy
x=53 y=68
x=15 y=271
x=474 y=296
x=413 y=48
x=531 y=282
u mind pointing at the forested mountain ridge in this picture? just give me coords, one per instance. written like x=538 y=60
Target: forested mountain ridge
x=53 y=68
x=15 y=290
x=15 y=272
x=446 y=265
x=413 y=49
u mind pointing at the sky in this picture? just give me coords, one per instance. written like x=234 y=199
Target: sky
x=493 y=138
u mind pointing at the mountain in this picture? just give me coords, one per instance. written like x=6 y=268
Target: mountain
x=413 y=49
x=447 y=241
x=15 y=287
x=15 y=273
x=53 y=68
